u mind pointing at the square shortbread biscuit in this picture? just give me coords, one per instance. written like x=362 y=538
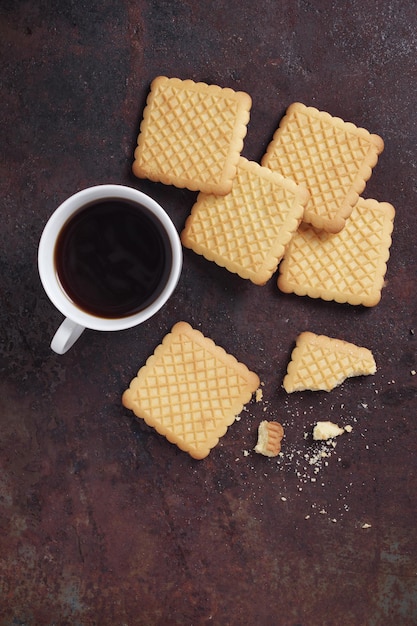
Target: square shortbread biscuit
x=348 y=266
x=192 y=135
x=321 y=363
x=247 y=230
x=333 y=158
x=190 y=390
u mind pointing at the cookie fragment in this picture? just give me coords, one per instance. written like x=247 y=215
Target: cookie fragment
x=321 y=363
x=348 y=267
x=191 y=135
x=190 y=390
x=270 y=435
x=247 y=230
x=333 y=158
x=323 y=431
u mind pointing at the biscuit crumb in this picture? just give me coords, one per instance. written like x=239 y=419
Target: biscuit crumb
x=259 y=395
x=366 y=525
x=324 y=431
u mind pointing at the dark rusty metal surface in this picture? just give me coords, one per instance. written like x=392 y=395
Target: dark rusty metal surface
x=103 y=521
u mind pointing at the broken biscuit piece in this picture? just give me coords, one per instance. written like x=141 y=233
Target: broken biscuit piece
x=323 y=431
x=320 y=363
x=270 y=435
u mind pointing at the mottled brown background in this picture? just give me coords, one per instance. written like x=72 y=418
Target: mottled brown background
x=104 y=522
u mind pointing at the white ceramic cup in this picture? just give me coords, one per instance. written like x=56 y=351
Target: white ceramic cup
x=76 y=319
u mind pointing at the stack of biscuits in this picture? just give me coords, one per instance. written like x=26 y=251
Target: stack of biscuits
x=301 y=205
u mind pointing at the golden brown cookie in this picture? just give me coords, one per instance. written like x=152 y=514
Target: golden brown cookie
x=192 y=135
x=333 y=158
x=190 y=390
x=321 y=363
x=247 y=230
x=349 y=266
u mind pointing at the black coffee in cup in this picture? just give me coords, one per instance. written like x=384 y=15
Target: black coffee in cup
x=113 y=258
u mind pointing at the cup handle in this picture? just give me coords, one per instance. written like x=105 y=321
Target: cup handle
x=66 y=335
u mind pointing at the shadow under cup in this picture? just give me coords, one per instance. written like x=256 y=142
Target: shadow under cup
x=109 y=257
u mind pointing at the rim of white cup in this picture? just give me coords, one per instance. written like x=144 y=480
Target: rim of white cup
x=46 y=264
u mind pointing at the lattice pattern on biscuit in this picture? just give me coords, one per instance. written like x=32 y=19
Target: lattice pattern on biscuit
x=190 y=390
x=247 y=230
x=321 y=363
x=200 y=118
x=348 y=266
x=332 y=157
x=192 y=134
